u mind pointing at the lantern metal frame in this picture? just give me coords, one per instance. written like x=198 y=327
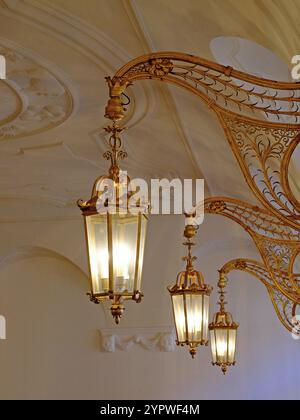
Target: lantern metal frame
x=223 y=320
x=261 y=121
x=190 y=282
x=95 y=206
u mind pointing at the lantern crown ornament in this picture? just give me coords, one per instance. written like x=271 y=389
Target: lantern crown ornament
x=190 y=300
x=223 y=332
x=115 y=233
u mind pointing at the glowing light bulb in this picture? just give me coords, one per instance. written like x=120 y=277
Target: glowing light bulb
x=122 y=260
x=222 y=348
x=104 y=271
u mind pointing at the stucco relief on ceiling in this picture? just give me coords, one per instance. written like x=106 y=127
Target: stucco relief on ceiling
x=36 y=100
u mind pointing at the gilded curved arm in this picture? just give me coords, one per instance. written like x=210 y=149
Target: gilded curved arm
x=219 y=86
x=285 y=308
x=260 y=118
x=249 y=266
x=253 y=219
x=277 y=243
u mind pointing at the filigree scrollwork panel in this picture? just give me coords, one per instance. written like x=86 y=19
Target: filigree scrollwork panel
x=253 y=219
x=278 y=245
x=278 y=257
x=285 y=308
x=249 y=266
x=260 y=150
x=223 y=87
x=261 y=120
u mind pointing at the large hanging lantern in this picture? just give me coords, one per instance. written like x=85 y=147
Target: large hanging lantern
x=115 y=235
x=223 y=334
x=190 y=301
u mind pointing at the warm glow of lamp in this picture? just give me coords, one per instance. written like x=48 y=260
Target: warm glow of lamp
x=223 y=334
x=115 y=240
x=190 y=301
x=115 y=246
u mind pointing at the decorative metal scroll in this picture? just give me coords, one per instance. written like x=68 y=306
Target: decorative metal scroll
x=278 y=245
x=261 y=121
x=285 y=308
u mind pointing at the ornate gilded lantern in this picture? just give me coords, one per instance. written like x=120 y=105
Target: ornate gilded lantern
x=190 y=300
x=115 y=235
x=223 y=333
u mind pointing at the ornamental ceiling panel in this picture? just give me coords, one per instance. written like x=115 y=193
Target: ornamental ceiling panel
x=33 y=98
x=77 y=47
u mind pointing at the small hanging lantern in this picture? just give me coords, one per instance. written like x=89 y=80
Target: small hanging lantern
x=115 y=235
x=223 y=333
x=190 y=301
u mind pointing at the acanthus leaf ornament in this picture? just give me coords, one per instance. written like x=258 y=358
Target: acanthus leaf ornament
x=159 y=67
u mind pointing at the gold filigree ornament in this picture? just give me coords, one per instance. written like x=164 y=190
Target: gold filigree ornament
x=261 y=121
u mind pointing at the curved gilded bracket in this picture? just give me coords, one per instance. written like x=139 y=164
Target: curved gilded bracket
x=261 y=120
x=284 y=307
x=278 y=246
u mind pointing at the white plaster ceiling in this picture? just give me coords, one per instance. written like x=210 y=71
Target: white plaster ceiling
x=58 y=54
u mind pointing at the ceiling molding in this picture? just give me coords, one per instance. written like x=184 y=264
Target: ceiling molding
x=23 y=253
x=159 y=339
x=140 y=28
x=45 y=98
x=88 y=40
x=28 y=252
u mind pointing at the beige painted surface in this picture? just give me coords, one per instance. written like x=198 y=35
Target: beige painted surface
x=53 y=347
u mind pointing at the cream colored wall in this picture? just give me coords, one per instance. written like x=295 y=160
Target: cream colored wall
x=53 y=348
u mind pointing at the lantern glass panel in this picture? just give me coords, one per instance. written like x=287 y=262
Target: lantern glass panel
x=194 y=311
x=231 y=345
x=143 y=231
x=222 y=344
x=205 y=331
x=191 y=312
x=97 y=242
x=179 y=315
x=124 y=251
x=213 y=346
x=116 y=245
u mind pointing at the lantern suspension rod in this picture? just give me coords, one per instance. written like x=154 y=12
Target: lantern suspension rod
x=222 y=285
x=189 y=232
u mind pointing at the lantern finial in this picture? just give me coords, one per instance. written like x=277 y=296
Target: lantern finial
x=117 y=309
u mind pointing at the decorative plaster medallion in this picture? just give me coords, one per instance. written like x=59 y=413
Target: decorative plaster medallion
x=151 y=339
x=33 y=99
